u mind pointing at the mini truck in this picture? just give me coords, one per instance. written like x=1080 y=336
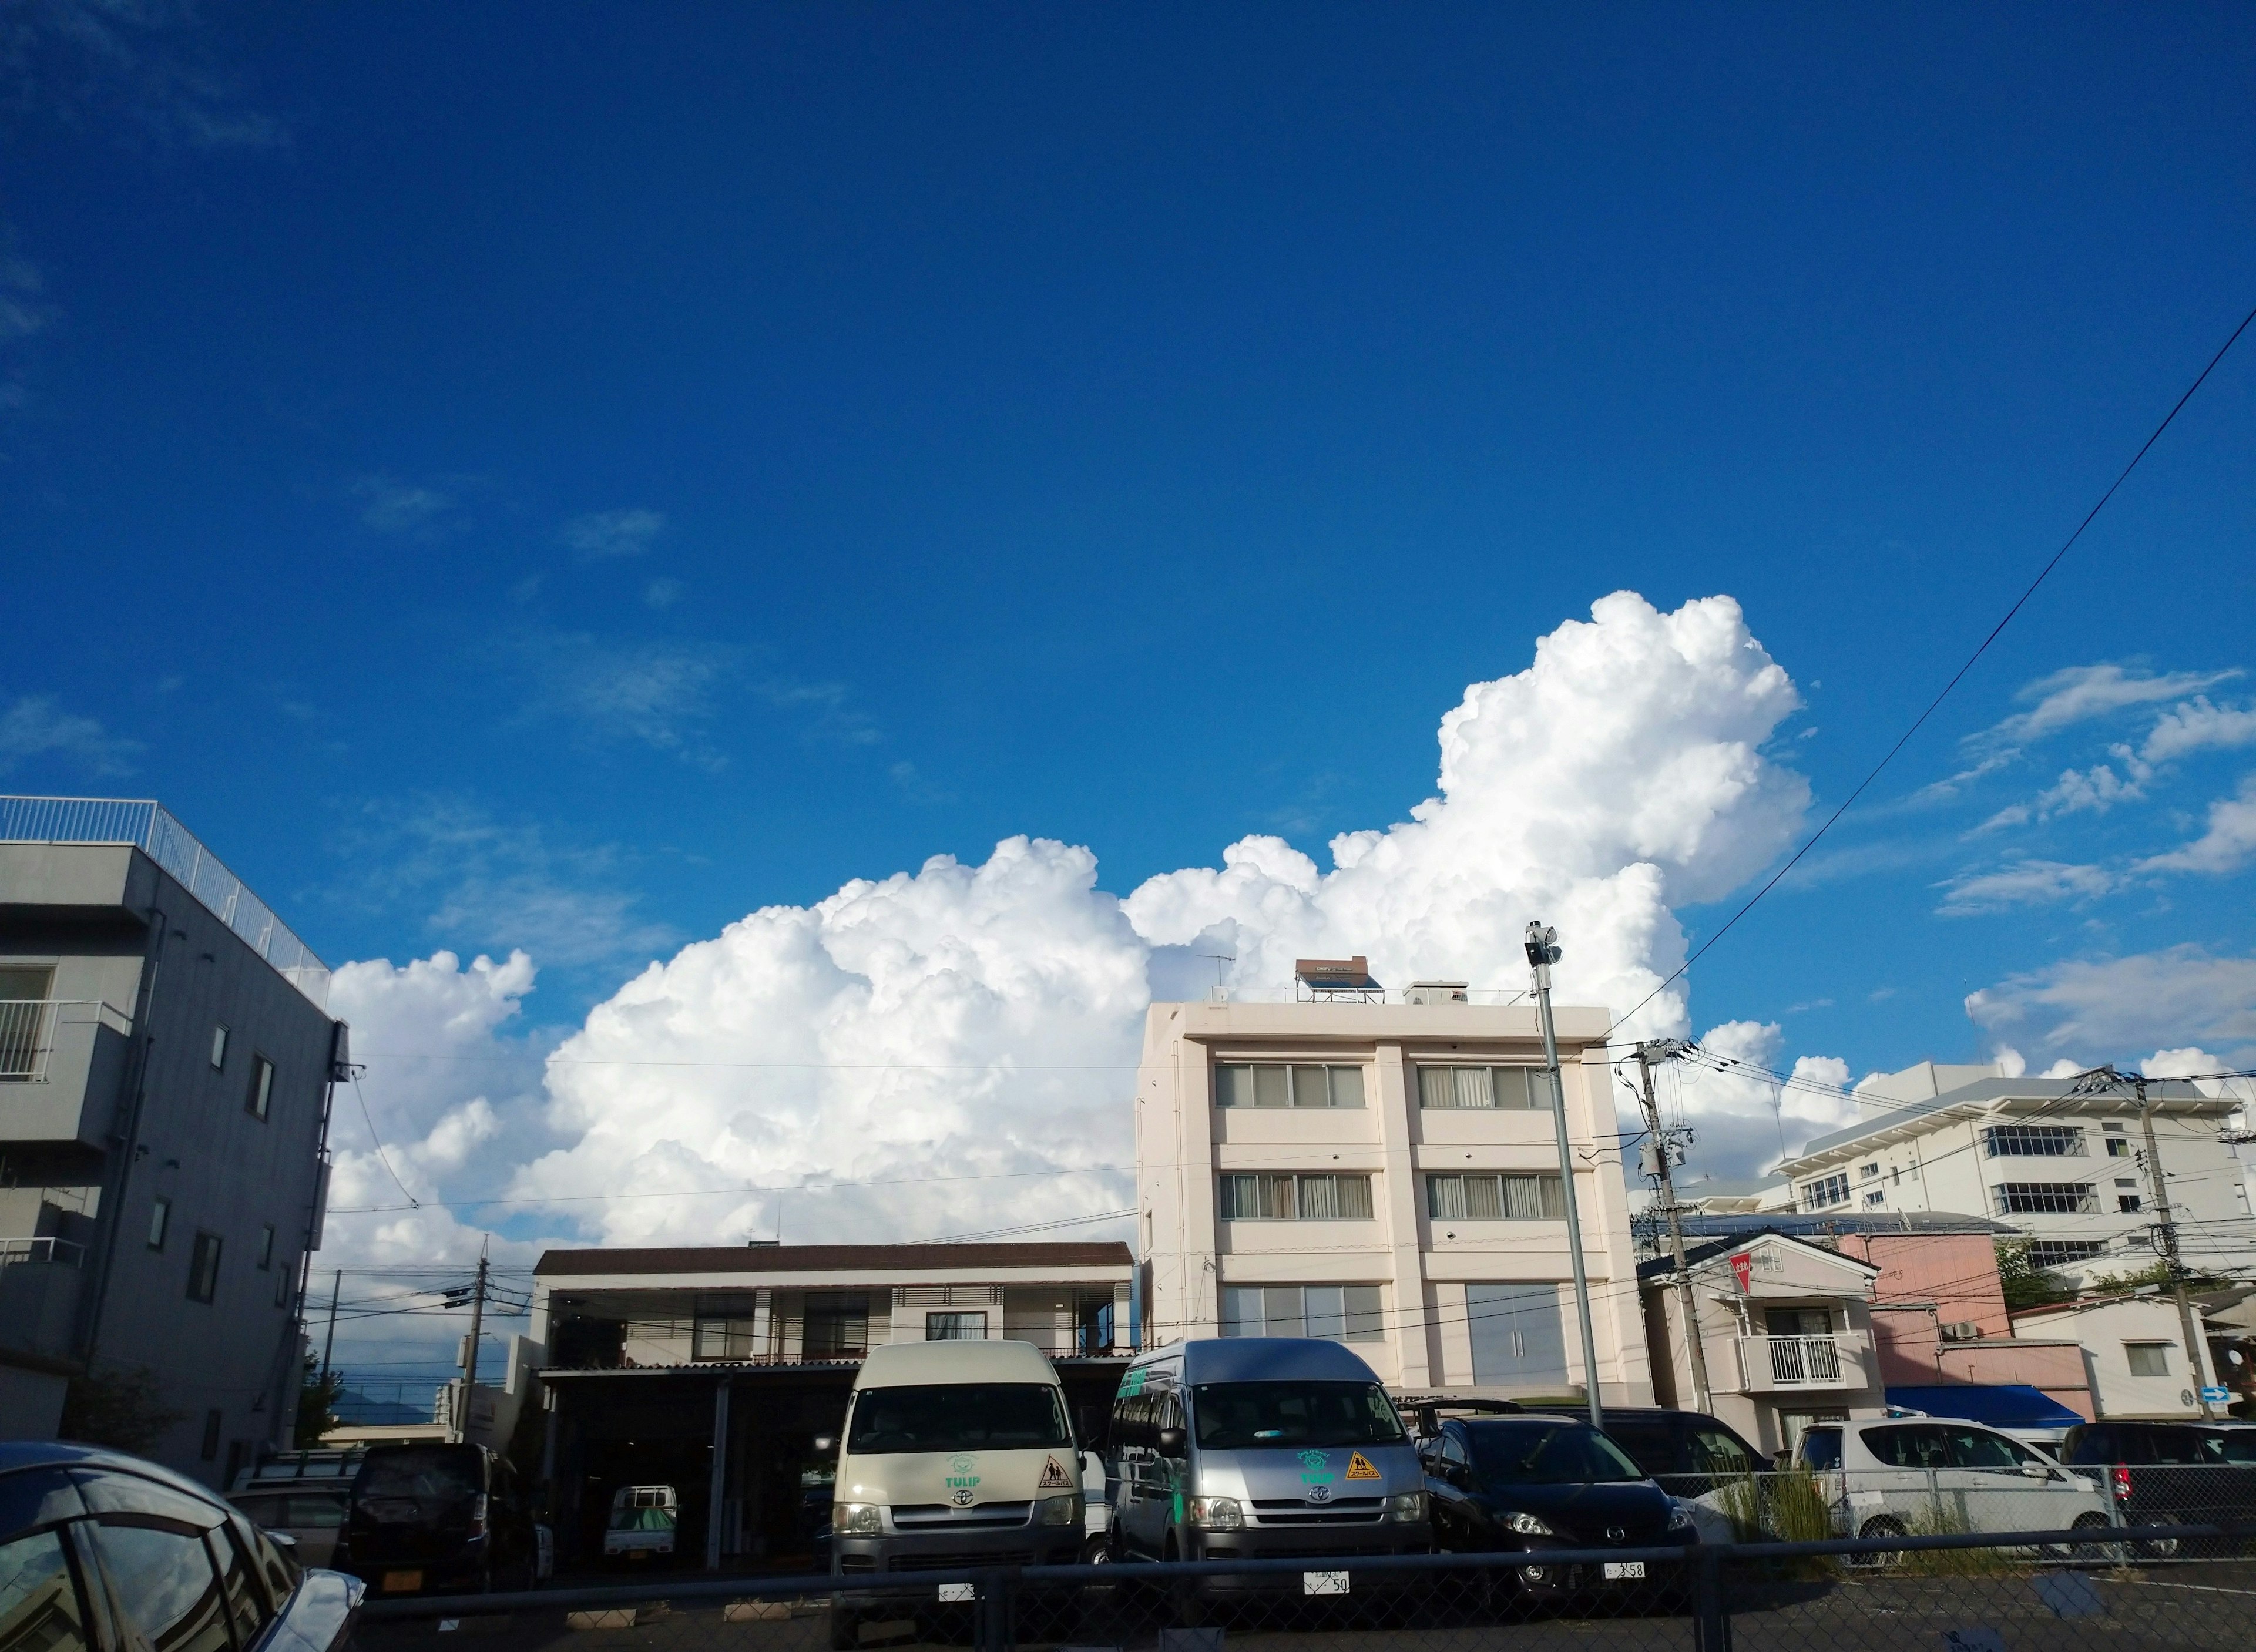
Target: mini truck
x=956 y=1455
x=642 y=1524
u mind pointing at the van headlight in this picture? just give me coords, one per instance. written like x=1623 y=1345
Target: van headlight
x=1058 y=1511
x=1406 y=1505
x=1528 y=1526
x=1216 y=1514
x=858 y=1520
x=1679 y=1517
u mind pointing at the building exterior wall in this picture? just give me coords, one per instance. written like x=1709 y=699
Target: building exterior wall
x=1438 y=1279
x=133 y=1110
x=1902 y=1159
x=2104 y=1330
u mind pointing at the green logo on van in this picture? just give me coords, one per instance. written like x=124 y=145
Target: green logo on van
x=1316 y=1467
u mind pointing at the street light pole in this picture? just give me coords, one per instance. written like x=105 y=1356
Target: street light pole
x=1542 y=953
x=2166 y=1233
x=1648 y=1050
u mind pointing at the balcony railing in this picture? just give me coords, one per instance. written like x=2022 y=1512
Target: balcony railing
x=46 y=1248
x=150 y=828
x=1770 y=1364
x=27 y=1033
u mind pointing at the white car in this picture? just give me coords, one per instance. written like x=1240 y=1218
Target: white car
x=642 y=1522
x=1909 y=1476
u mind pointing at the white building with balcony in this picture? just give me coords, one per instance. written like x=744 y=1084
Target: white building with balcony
x=1786 y=1328
x=2067 y=1170
x=1387 y=1175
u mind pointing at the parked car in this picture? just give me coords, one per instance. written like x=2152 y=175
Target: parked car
x=1541 y=1482
x=2173 y=1474
x=302 y=1495
x=642 y=1523
x=439 y=1520
x=1896 y=1477
x=184 y=1568
x=1256 y=1447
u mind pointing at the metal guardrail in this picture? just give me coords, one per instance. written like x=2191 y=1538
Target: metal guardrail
x=42 y=1248
x=148 y=826
x=2060 y=1590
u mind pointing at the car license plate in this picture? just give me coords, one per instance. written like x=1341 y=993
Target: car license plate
x=402 y=1582
x=1625 y=1569
x=1323 y=1583
x=959 y=1592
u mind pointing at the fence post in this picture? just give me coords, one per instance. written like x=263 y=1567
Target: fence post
x=1711 y=1625
x=994 y=1625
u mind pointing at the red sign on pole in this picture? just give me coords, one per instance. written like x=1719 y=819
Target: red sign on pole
x=1744 y=1265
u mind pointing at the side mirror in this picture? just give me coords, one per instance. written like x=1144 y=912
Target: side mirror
x=1089 y=1460
x=2036 y=1471
x=283 y=1540
x=1171 y=1442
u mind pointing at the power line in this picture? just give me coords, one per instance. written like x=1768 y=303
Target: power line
x=1933 y=705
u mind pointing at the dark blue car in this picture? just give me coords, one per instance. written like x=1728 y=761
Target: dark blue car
x=87 y=1535
x=1538 y=1483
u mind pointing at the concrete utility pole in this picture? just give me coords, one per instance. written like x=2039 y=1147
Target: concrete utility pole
x=1648 y=1051
x=1542 y=953
x=470 y=1352
x=329 y=1342
x=2166 y=1231
x=2109 y=1079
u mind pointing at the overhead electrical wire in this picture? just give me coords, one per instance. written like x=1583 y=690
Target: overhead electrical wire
x=1956 y=676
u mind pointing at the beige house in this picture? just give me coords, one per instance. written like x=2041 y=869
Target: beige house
x=1387 y=1175
x=1786 y=1330
x=2134 y=1353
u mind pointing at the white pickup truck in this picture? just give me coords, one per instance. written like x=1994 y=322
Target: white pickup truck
x=643 y=1520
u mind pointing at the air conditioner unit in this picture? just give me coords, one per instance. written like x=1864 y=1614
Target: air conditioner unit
x=1962 y=1330
x=1436 y=992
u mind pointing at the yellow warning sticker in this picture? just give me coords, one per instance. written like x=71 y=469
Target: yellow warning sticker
x=1053 y=1475
x=1359 y=1468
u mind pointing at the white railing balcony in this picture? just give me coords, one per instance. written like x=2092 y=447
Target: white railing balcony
x=1772 y=1365
x=150 y=828
x=45 y=1248
x=28 y=1029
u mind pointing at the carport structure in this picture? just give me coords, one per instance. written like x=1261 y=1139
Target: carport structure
x=724 y=1371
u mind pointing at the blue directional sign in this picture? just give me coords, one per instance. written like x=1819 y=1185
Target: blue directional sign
x=2217 y=1396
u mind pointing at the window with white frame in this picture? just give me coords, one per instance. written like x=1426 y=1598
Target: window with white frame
x=2063 y=1253
x=1343 y=1313
x=1292 y=1197
x=2147 y=1359
x=2033 y=1141
x=956 y=1327
x=260 y=1096
x=1472 y=1196
x=2043 y=1199
x=1453 y=1088
x=1825 y=1191
x=219 y=1046
x=1285 y=1085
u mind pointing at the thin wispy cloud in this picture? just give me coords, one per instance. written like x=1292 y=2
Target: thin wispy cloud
x=656 y=694
x=34 y=726
x=662 y=593
x=828 y=705
x=131 y=68
x=2027 y=883
x=390 y=507
x=2229 y=843
x=2114 y=1006
x=603 y=534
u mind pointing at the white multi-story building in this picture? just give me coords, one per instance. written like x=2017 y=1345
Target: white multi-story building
x=1388 y=1175
x=2067 y=1169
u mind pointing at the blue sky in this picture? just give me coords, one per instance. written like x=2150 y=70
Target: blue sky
x=565 y=478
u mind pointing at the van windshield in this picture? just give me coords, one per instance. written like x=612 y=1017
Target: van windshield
x=1239 y=1416
x=958 y=1416
x=428 y=1473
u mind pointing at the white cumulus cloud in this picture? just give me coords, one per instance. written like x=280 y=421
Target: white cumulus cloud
x=952 y=1050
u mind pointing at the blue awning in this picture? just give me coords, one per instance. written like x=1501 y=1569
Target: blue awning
x=2002 y=1405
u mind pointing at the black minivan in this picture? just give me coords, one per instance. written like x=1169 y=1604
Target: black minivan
x=438 y=1519
x=2174 y=1474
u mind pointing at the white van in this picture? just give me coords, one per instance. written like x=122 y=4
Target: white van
x=1885 y=1478
x=955 y=1454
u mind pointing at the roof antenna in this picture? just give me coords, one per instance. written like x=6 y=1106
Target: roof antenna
x=1220 y=991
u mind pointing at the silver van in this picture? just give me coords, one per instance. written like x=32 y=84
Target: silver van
x=1262 y=1447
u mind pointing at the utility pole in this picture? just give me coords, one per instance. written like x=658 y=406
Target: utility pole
x=329 y=1342
x=2165 y=1227
x=1648 y=1051
x=1542 y=953
x=470 y=1352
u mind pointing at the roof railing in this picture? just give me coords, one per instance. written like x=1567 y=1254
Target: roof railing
x=148 y=826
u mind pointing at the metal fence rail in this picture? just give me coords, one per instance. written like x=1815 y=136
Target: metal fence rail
x=148 y=826
x=2046 y=1591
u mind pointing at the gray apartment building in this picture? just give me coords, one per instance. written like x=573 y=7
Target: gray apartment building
x=165 y=1060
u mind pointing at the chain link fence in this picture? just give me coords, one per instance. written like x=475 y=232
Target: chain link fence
x=2027 y=1590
